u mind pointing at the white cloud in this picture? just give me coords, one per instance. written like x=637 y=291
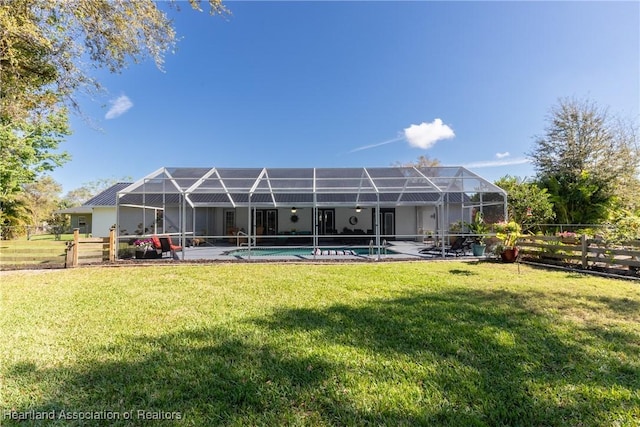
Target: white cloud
x=496 y=163
x=118 y=107
x=503 y=155
x=425 y=135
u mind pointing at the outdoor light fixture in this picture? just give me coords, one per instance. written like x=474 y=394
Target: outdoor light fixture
x=293 y=210
x=358 y=209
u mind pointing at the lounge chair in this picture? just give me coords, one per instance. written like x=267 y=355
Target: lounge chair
x=430 y=249
x=460 y=246
x=157 y=245
x=164 y=244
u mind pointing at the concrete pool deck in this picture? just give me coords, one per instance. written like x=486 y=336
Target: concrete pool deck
x=404 y=250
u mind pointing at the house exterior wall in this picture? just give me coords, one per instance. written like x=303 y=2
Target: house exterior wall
x=304 y=223
x=171 y=219
x=409 y=220
x=363 y=219
x=406 y=221
x=242 y=219
x=218 y=229
x=205 y=221
x=103 y=219
x=211 y=220
x=427 y=219
x=75 y=222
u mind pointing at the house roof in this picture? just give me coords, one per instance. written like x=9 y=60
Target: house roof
x=236 y=187
x=105 y=198
x=108 y=196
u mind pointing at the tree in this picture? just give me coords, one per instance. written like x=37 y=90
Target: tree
x=583 y=159
x=15 y=218
x=42 y=198
x=34 y=206
x=526 y=202
x=42 y=44
x=27 y=149
x=420 y=162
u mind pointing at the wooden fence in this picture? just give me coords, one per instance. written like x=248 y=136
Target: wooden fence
x=582 y=252
x=57 y=254
x=25 y=254
x=90 y=250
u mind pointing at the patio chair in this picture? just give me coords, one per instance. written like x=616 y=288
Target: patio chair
x=460 y=246
x=157 y=244
x=429 y=250
x=164 y=244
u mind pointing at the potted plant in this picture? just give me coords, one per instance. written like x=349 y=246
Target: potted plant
x=479 y=229
x=144 y=249
x=508 y=232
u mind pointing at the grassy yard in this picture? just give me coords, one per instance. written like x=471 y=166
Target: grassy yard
x=44 y=237
x=36 y=253
x=429 y=343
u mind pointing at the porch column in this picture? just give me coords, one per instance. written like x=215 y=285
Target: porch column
x=164 y=207
x=378 y=224
x=445 y=214
x=183 y=224
x=314 y=222
x=249 y=225
x=193 y=224
x=254 y=226
x=144 y=212
x=117 y=224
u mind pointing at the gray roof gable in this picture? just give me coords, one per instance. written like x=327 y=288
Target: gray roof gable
x=108 y=196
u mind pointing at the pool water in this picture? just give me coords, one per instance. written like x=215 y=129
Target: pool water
x=303 y=251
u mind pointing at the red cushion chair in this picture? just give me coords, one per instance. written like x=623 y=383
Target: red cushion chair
x=164 y=244
x=168 y=246
x=156 y=242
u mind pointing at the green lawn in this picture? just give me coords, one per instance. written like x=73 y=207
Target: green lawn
x=33 y=253
x=422 y=343
x=44 y=237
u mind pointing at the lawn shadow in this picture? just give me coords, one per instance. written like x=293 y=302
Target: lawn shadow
x=619 y=305
x=208 y=376
x=491 y=355
x=462 y=272
x=576 y=275
x=511 y=352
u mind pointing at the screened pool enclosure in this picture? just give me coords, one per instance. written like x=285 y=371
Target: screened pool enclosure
x=309 y=207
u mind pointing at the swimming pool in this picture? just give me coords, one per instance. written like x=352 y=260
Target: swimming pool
x=304 y=251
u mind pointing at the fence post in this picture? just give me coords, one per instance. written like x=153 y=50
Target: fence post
x=68 y=256
x=76 y=247
x=583 y=242
x=112 y=245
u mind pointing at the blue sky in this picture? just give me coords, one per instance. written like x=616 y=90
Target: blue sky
x=333 y=84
